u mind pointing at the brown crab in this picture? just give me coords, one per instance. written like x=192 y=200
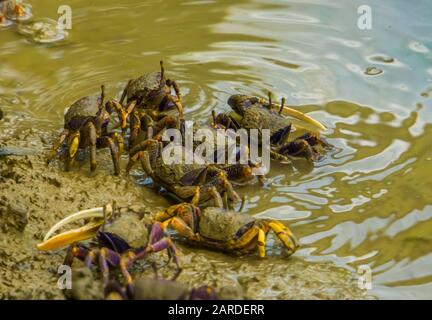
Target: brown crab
x=195 y=182
x=225 y=230
x=151 y=96
x=293 y=136
x=86 y=123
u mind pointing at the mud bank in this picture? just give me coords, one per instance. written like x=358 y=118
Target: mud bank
x=33 y=197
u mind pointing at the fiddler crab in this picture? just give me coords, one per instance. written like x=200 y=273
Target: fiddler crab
x=13 y=10
x=225 y=230
x=151 y=98
x=197 y=183
x=159 y=289
x=292 y=133
x=86 y=126
x=121 y=239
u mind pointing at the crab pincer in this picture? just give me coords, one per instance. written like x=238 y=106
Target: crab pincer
x=122 y=239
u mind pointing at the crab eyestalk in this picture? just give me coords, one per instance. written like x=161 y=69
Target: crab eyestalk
x=287 y=111
x=98 y=215
x=102 y=97
x=162 y=72
x=282 y=105
x=269 y=94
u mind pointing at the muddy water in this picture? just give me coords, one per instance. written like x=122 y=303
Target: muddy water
x=367 y=203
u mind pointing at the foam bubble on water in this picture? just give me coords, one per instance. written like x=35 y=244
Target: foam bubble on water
x=418 y=47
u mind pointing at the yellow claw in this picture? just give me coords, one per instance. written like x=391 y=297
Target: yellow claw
x=304 y=117
x=261 y=243
x=73 y=148
x=287 y=111
x=285 y=235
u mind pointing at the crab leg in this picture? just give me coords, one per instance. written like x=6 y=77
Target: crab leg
x=280 y=136
x=75 y=251
x=158 y=241
x=56 y=143
x=107 y=257
x=73 y=143
x=298 y=148
x=261 y=243
x=277 y=156
x=118 y=139
x=285 y=235
x=232 y=194
x=245 y=239
x=107 y=141
x=182 y=228
x=135 y=128
x=91 y=133
x=122 y=113
x=218 y=202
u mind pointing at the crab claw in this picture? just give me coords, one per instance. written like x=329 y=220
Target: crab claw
x=287 y=111
x=98 y=216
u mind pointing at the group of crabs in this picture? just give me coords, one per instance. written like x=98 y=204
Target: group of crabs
x=204 y=192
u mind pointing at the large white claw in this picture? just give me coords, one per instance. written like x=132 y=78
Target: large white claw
x=98 y=217
x=84 y=214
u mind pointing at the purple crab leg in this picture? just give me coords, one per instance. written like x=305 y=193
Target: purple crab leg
x=107 y=257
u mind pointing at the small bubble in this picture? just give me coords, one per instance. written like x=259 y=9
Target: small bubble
x=418 y=47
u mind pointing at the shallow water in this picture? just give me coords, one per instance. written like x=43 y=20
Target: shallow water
x=368 y=202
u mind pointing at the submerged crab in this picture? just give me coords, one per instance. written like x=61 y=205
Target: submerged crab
x=86 y=123
x=297 y=136
x=225 y=230
x=160 y=289
x=198 y=183
x=122 y=238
